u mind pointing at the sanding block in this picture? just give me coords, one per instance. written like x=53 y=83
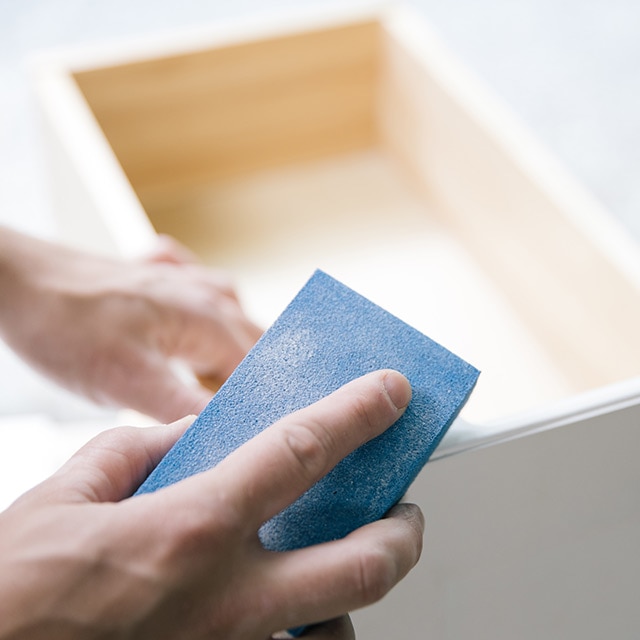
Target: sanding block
x=326 y=337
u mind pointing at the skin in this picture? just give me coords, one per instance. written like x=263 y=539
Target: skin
x=79 y=560
x=109 y=329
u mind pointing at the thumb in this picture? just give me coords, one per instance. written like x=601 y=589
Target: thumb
x=111 y=466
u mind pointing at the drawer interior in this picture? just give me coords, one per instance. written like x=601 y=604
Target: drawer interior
x=340 y=148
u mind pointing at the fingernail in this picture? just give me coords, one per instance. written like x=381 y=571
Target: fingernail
x=398 y=389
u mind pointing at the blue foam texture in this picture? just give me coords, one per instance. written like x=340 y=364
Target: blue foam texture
x=326 y=337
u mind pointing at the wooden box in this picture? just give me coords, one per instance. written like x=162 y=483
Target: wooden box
x=356 y=143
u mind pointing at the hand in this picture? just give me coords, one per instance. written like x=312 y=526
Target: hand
x=78 y=560
x=109 y=329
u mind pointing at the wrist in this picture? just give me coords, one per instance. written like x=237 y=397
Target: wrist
x=29 y=270
x=18 y=265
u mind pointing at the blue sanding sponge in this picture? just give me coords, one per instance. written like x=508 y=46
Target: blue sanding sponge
x=326 y=337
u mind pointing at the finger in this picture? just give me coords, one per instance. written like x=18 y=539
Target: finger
x=226 y=349
x=111 y=466
x=331 y=579
x=211 y=382
x=273 y=469
x=168 y=398
x=215 y=338
x=219 y=341
x=168 y=249
x=156 y=390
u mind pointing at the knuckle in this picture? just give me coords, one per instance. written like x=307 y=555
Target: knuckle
x=116 y=442
x=310 y=446
x=376 y=575
x=114 y=437
x=195 y=531
x=371 y=409
x=187 y=533
x=364 y=412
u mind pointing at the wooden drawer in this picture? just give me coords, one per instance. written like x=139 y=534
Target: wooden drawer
x=356 y=143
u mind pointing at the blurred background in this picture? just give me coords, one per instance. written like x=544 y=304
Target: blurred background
x=569 y=69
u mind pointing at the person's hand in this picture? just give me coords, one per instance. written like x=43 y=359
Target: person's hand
x=78 y=560
x=109 y=329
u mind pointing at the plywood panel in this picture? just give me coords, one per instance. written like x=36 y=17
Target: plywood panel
x=224 y=111
x=197 y=132
x=573 y=296
x=357 y=217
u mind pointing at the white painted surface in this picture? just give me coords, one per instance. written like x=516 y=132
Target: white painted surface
x=533 y=538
